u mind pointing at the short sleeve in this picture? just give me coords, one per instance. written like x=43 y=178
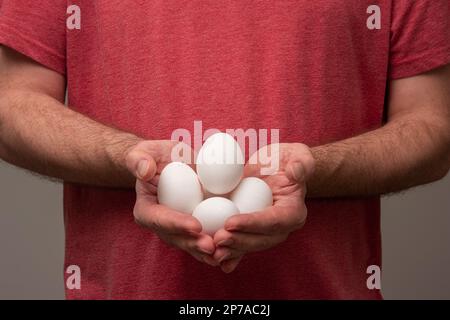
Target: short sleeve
x=37 y=29
x=419 y=37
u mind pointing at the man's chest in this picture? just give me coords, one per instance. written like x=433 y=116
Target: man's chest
x=293 y=61
x=206 y=24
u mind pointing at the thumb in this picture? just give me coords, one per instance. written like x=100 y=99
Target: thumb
x=300 y=171
x=141 y=164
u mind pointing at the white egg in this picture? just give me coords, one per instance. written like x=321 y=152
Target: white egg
x=213 y=212
x=220 y=164
x=251 y=195
x=179 y=188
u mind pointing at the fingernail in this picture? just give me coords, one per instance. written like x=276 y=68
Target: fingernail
x=225 y=257
x=205 y=251
x=142 y=168
x=210 y=261
x=228 y=270
x=224 y=243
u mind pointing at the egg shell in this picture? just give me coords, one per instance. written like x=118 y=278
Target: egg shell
x=213 y=212
x=220 y=164
x=179 y=188
x=251 y=195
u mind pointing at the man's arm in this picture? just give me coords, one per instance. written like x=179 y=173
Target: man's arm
x=39 y=133
x=413 y=148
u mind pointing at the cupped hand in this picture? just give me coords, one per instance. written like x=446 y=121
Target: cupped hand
x=257 y=231
x=146 y=161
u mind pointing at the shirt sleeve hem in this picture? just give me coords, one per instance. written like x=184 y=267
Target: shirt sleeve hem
x=33 y=49
x=430 y=60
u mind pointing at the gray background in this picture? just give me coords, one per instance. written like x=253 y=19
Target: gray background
x=415 y=226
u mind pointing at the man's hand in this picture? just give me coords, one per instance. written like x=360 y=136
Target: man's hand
x=250 y=232
x=146 y=161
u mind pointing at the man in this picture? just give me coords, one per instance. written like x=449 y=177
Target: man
x=364 y=84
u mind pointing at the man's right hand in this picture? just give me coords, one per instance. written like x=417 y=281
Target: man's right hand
x=146 y=161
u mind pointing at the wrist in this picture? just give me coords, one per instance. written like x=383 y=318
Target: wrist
x=118 y=149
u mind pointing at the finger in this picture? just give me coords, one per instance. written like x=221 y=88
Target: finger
x=301 y=164
x=205 y=244
x=298 y=171
x=160 y=218
x=204 y=258
x=224 y=253
x=197 y=246
x=198 y=256
x=141 y=164
x=306 y=157
x=183 y=152
x=155 y=180
x=229 y=266
x=201 y=248
x=295 y=172
x=246 y=242
x=298 y=161
x=272 y=220
x=146 y=190
x=223 y=238
x=210 y=260
x=265 y=161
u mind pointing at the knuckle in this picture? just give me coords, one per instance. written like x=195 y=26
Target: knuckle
x=300 y=218
x=304 y=213
x=187 y=245
x=235 y=242
x=137 y=216
x=190 y=244
x=298 y=222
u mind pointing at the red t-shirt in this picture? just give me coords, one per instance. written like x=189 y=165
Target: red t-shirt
x=313 y=69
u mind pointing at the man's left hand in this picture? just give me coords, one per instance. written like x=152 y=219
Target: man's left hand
x=256 y=231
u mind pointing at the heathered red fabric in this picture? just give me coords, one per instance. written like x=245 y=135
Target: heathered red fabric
x=310 y=68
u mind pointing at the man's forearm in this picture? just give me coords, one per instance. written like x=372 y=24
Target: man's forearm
x=40 y=134
x=402 y=154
